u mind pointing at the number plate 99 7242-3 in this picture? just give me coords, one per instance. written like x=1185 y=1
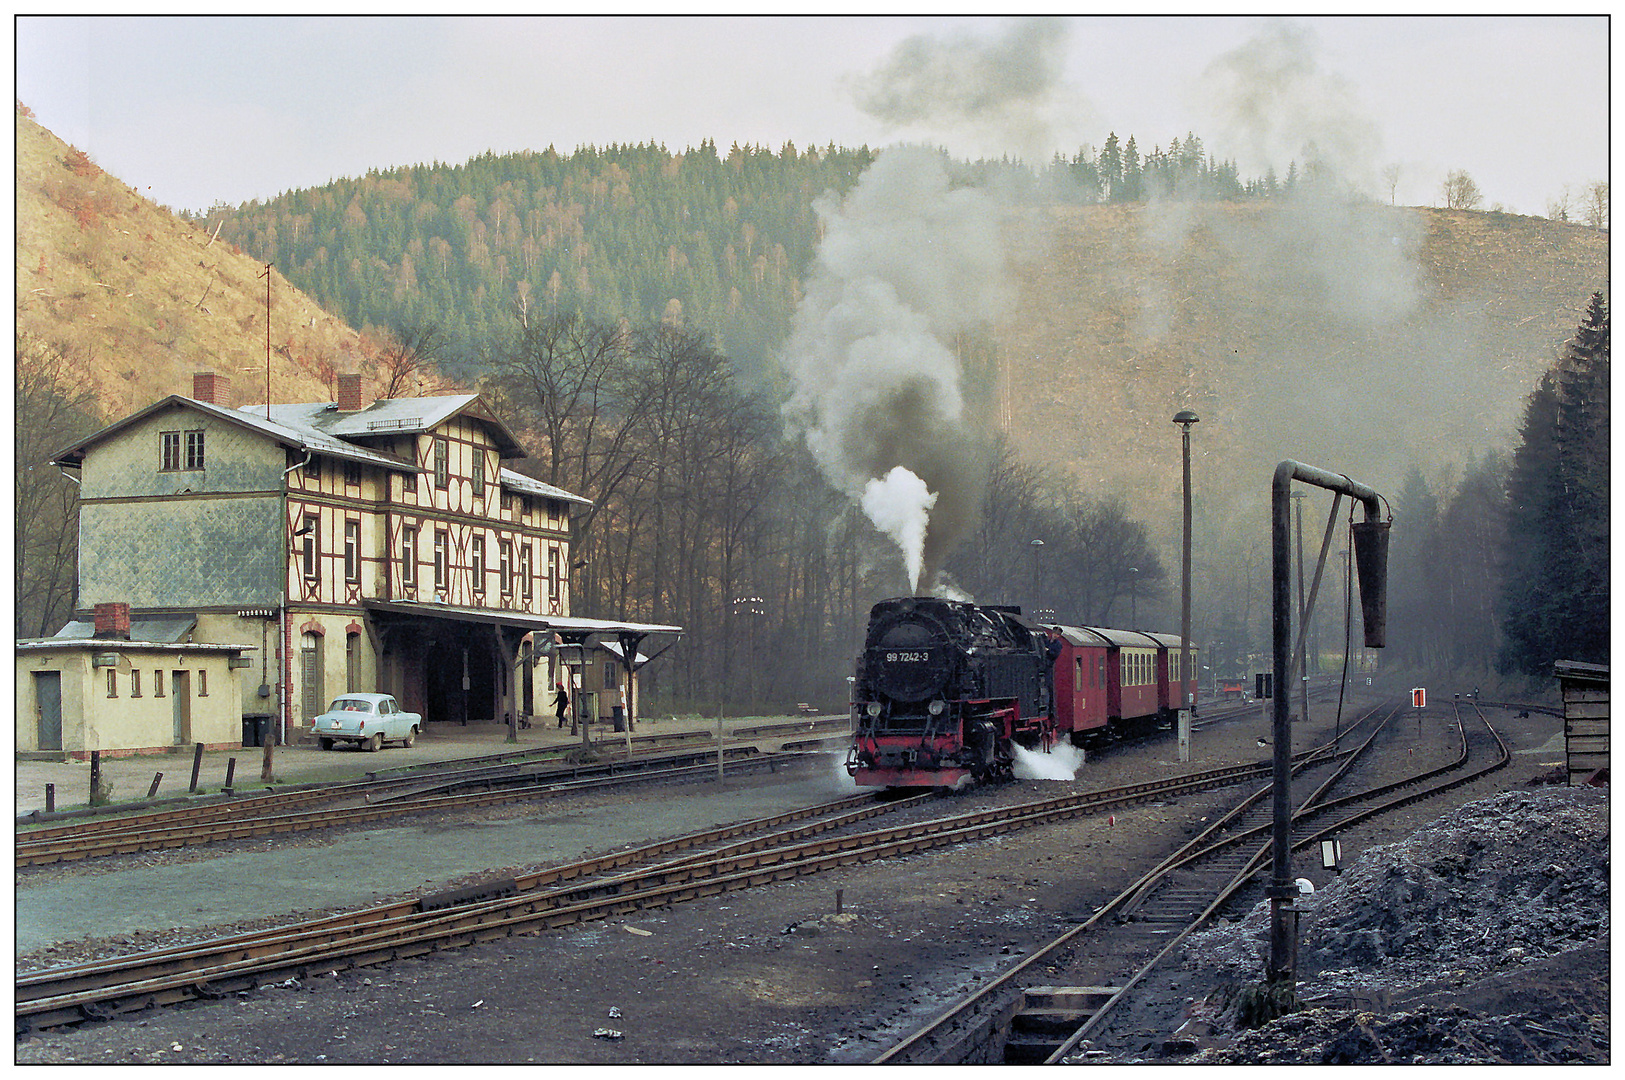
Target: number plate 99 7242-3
x=907 y=657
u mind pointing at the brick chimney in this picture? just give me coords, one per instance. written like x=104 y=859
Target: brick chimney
x=349 y=395
x=212 y=387
x=113 y=621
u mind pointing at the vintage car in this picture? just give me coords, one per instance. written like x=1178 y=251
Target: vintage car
x=368 y=720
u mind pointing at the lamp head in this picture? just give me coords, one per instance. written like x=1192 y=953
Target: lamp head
x=1185 y=418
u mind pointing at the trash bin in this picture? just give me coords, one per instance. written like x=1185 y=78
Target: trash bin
x=620 y=718
x=256 y=729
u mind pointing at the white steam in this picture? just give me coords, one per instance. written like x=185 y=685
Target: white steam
x=907 y=263
x=1061 y=763
x=900 y=506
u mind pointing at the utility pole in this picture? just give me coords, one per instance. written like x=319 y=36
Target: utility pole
x=1185 y=418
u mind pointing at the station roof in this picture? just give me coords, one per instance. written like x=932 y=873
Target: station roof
x=520 y=619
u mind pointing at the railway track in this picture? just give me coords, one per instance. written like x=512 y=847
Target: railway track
x=361 y=802
x=559 y=896
x=1014 y=1021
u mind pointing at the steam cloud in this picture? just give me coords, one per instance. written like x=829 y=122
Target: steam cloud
x=1276 y=105
x=1061 y=763
x=1006 y=89
x=909 y=261
x=900 y=506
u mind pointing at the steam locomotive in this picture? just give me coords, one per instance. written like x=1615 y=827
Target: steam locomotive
x=945 y=688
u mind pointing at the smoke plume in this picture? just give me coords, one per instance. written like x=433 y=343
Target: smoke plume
x=911 y=261
x=1277 y=106
x=908 y=261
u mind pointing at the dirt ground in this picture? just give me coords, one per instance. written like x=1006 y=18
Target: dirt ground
x=833 y=968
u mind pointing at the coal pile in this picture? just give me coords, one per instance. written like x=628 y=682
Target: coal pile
x=1482 y=938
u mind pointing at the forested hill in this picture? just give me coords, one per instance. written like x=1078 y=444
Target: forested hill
x=634 y=232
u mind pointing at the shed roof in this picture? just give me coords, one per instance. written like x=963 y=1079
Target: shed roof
x=162 y=628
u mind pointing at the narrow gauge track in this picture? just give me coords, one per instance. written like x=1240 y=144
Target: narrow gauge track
x=356 y=803
x=1163 y=907
x=64 y=996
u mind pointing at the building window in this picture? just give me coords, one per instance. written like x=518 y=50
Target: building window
x=112 y=683
x=158 y=683
x=409 y=555
x=442 y=462
x=479 y=473
x=309 y=531
x=476 y=558
x=202 y=683
x=440 y=558
x=135 y=682
x=352 y=551
x=505 y=566
x=313 y=470
x=524 y=570
x=178 y=450
x=352 y=474
x=552 y=573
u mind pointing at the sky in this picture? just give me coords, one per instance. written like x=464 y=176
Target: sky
x=193 y=111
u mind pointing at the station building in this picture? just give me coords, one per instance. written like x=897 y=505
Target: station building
x=341 y=546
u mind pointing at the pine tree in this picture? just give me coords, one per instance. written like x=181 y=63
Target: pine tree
x=1556 y=595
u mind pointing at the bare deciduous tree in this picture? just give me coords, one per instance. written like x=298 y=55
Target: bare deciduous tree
x=1390 y=176
x=1460 y=192
x=1594 y=204
x=407 y=353
x=55 y=404
x=1559 y=208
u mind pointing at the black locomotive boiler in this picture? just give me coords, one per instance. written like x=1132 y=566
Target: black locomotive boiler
x=946 y=689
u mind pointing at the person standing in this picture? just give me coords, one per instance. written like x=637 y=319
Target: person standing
x=561 y=702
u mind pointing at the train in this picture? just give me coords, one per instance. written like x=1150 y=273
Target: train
x=945 y=689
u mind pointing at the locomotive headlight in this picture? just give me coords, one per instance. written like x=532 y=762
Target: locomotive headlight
x=937 y=707
x=873 y=708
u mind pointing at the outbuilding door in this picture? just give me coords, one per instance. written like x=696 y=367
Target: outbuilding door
x=180 y=694
x=48 y=698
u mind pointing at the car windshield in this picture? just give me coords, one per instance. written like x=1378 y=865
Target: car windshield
x=351 y=705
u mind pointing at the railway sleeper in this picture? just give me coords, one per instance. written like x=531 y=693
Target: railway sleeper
x=1047 y=1016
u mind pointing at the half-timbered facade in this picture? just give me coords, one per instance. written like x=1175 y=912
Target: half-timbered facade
x=379 y=546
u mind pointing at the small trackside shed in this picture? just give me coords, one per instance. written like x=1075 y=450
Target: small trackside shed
x=1585 y=719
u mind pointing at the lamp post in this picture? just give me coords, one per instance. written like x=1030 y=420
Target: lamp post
x=1037 y=546
x=1185 y=418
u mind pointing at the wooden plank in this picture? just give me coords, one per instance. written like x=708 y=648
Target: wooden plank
x=1585 y=727
x=1584 y=692
x=1588 y=744
x=1586 y=710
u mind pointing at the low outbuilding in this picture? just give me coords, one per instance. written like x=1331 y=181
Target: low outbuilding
x=124 y=688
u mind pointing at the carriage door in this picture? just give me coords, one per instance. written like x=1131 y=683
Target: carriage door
x=180 y=686
x=48 y=701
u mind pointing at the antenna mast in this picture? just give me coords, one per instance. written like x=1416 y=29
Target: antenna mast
x=267 y=277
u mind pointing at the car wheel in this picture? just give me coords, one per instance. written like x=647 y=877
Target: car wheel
x=326 y=744
x=376 y=743
x=411 y=737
